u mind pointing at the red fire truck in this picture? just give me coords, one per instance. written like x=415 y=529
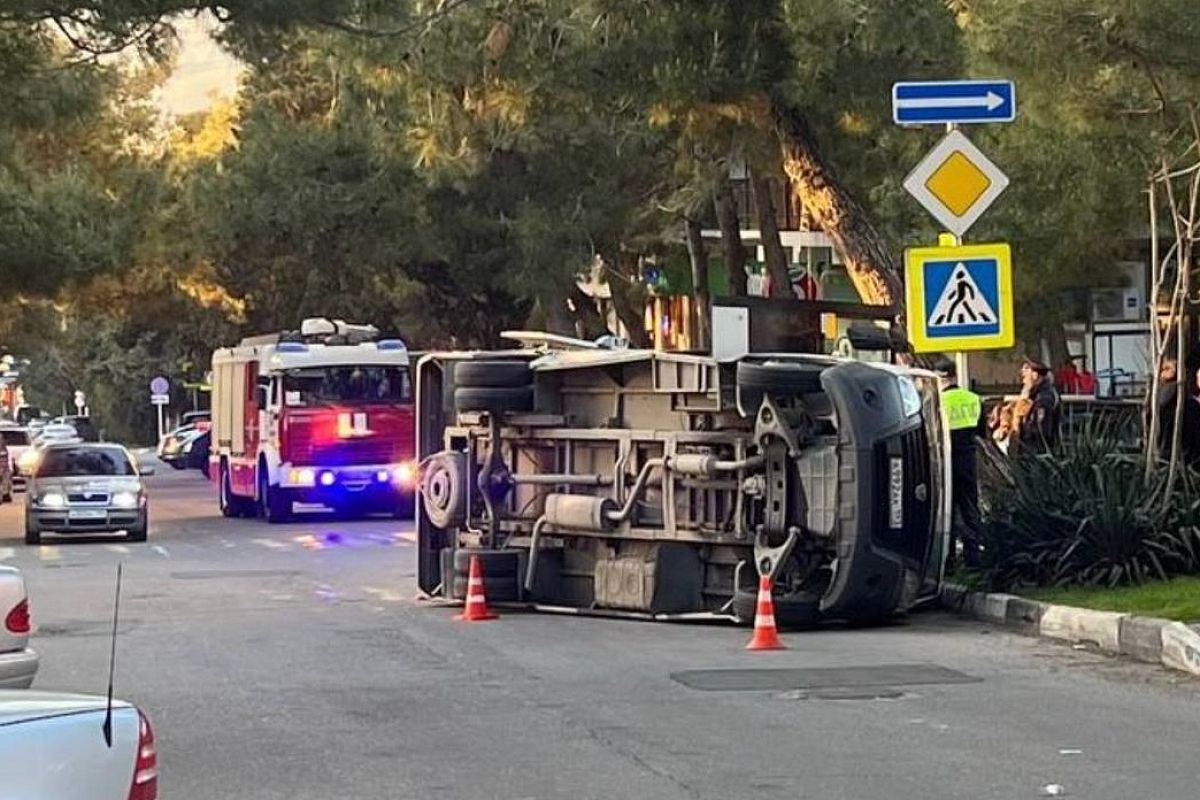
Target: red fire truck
x=320 y=415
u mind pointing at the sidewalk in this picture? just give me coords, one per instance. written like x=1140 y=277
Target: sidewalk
x=1156 y=641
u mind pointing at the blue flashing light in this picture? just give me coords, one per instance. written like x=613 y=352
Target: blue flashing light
x=327 y=478
x=392 y=344
x=291 y=347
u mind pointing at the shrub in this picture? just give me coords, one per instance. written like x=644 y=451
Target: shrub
x=1086 y=513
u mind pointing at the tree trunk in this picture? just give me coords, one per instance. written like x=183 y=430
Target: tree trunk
x=628 y=295
x=698 y=256
x=864 y=252
x=731 y=238
x=768 y=226
x=1056 y=340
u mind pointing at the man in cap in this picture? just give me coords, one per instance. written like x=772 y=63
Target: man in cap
x=963 y=409
x=1039 y=428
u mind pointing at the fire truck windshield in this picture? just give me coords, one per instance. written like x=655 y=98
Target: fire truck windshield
x=341 y=385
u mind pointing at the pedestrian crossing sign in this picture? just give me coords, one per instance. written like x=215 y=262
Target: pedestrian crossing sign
x=959 y=298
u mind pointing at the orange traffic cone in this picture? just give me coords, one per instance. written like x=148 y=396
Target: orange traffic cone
x=765 y=637
x=476 y=609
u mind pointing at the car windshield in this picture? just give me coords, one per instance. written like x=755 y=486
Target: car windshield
x=14 y=438
x=321 y=386
x=67 y=462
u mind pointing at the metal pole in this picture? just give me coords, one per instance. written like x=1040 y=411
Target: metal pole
x=961 y=364
x=160 y=422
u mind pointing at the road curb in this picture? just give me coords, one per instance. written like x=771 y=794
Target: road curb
x=1173 y=645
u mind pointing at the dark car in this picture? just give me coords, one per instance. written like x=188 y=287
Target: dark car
x=187 y=448
x=83 y=426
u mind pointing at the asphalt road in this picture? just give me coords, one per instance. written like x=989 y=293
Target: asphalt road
x=295 y=662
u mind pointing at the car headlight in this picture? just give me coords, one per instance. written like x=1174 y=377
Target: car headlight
x=53 y=500
x=28 y=461
x=910 y=398
x=125 y=499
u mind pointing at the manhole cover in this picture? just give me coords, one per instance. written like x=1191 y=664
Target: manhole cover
x=209 y=574
x=779 y=680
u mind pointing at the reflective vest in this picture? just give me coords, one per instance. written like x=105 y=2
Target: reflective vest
x=962 y=406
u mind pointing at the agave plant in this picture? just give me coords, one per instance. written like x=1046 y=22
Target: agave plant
x=1090 y=512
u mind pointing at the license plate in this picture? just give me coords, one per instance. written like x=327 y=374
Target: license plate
x=87 y=513
x=896 y=494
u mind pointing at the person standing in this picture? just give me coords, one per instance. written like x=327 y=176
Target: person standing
x=1039 y=429
x=964 y=410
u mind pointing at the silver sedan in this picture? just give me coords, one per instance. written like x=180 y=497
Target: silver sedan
x=85 y=488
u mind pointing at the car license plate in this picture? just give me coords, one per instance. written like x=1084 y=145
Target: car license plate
x=87 y=513
x=896 y=494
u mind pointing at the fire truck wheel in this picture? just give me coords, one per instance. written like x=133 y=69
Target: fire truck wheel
x=794 y=611
x=492 y=374
x=496 y=399
x=777 y=378
x=443 y=489
x=274 y=505
x=231 y=504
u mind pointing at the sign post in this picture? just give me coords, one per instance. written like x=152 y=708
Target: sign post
x=160 y=396
x=959 y=298
x=953 y=102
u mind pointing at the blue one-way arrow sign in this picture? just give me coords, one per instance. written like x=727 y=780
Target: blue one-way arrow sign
x=939 y=102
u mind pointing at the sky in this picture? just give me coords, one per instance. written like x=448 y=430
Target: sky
x=204 y=72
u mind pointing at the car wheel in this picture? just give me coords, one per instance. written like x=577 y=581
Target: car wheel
x=274 y=506
x=138 y=532
x=493 y=399
x=33 y=534
x=793 y=611
x=492 y=374
x=776 y=378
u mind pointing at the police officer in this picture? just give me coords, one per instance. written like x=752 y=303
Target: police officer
x=963 y=409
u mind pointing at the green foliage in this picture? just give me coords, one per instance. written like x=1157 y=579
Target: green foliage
x=1177 y=599
x=1087 y=514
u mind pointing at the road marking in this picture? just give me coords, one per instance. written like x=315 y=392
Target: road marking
x=407 y=536
x=162 y=551
x=271 y=543
x=310 y=542
x=228 y=543
x=118 y=548
x=49 y=553
x=7 y=552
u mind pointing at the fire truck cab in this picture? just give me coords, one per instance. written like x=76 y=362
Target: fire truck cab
x=320 y=415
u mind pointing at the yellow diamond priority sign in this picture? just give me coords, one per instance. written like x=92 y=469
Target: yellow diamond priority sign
x=956 y=182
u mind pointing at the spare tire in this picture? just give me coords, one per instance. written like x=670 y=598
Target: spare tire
x=494 y=399
x=775 y=378
x=492 y=374
x=444 y=489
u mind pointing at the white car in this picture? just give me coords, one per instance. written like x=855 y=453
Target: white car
x=17 y=440
x=52 y=747
x=55 y=432
x=18 y=664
